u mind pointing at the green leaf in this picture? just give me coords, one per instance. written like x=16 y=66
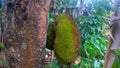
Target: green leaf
x=116 y=63
x=116 y=51
x=1 y=46
x=3 y=62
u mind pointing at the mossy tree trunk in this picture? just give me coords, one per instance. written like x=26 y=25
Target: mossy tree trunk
x=24 y=35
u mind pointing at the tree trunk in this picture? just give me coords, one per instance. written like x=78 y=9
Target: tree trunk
x=24 y=35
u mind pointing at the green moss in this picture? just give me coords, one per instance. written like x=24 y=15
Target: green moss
x=66 y=44
x=50 y=36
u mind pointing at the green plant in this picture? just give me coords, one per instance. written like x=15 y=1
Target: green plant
x=1 y=46
x=94 y=41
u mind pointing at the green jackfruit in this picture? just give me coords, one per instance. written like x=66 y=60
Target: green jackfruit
x=50 y=36
x=67 y=39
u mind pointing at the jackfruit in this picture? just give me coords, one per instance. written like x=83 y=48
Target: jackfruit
x=67 y=39
x=50 y=36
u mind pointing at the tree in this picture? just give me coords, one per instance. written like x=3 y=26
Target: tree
x=24 y=34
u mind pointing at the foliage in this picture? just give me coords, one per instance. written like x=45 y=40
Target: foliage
x=1 y=46
x=93 y=29
x=99 y=7
x=59 y=5
x=93 y=40
x=51 y=17
x=116 y=51
x=116 y=61
x=2 y=56
x=3 y=62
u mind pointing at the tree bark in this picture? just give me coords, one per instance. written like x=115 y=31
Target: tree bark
x=24 y=34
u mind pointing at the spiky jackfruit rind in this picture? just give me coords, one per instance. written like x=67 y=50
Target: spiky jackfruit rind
x=67 y=39
x=50 y=36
